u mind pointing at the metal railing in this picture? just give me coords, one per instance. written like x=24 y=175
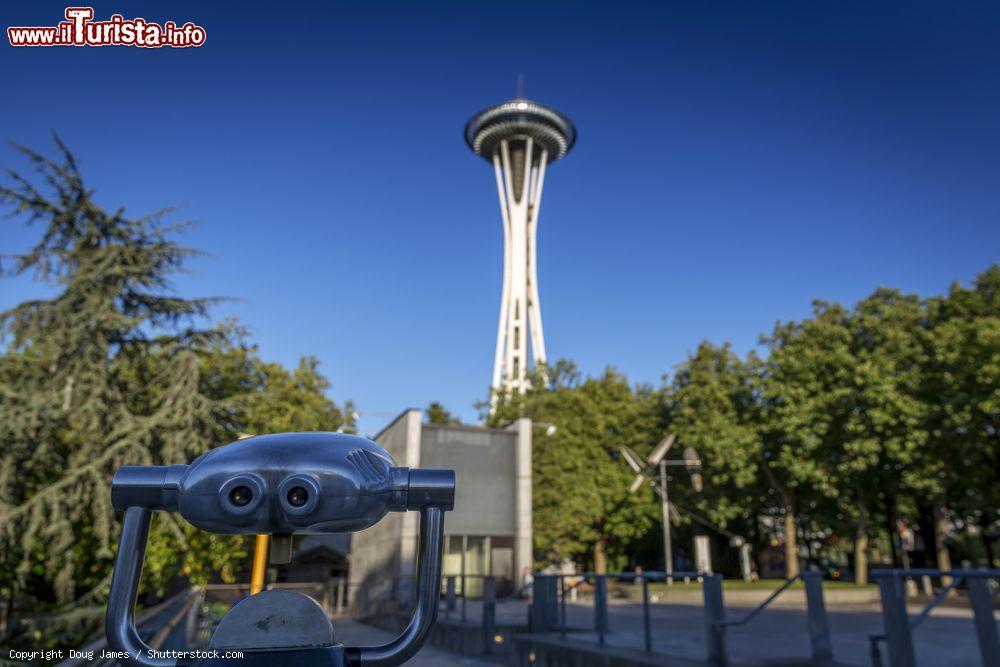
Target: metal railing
x=899 y=627
x=717 y=623
x=193 y=614
x=543 y=612
x=331 y=594
x=155 y=625
x=451 y=583
x=545 y=594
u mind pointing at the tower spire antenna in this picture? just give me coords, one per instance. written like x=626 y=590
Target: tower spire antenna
x=519 y=139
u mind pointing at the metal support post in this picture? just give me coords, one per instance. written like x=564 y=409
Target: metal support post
x=601 y=607
x=819 y=628
x=262 y=547
x=668 y=555
x=562 y=606
x=465 y=595
x=896 y=621
x=489 y=612
x=449 y=595
x=645 y=615
x=544 y=605
x=715 y=614
x=986 y=627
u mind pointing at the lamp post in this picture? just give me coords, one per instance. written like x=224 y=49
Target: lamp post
x=644 y=472
x=668 y=551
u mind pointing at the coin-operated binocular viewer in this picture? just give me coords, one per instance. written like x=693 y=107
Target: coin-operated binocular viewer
x=281 y=484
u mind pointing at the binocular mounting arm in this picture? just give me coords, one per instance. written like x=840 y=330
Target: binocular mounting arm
x=139 y=490
x=405 y=646
x=120 y=621
x=122 y=635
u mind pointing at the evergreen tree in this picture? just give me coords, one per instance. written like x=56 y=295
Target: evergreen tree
x=113 y=369
x=104 y=373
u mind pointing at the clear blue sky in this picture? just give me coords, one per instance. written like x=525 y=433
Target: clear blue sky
x=735 y=161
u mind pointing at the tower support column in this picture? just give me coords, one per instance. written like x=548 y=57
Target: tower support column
x=520 y=138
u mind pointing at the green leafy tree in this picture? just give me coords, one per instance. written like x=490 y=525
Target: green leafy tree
x=844 y=415
x=582 y=507
x=806 y=390
x=960 y=469
x=886 y=442
x=711 y=406
x=438 y=414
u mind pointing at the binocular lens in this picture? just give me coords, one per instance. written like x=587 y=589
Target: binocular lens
x=240 y=496
x=297 y=496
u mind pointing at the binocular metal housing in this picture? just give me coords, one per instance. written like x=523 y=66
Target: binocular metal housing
x=280 y=485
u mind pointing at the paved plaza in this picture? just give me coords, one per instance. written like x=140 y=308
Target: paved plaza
x=353 y=633
x=777 y=636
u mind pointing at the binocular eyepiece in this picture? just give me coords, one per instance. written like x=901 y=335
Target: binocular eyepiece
x=282 y=484
x=285 y=483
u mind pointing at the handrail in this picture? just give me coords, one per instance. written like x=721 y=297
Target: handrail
x=982 y=573
x=600 y=600
x=942 y=594
x=161 y=636
x=188 y=594
x=908 y=624
x=759 y=608
x=651 y=575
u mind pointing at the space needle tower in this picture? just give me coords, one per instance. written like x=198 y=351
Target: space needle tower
x=520 y=138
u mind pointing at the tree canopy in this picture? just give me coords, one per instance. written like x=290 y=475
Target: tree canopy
x=846 y=428
x=114 y=368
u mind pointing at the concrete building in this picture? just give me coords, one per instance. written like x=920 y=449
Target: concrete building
x=490 y=530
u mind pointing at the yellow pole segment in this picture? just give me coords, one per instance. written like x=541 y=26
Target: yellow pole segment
x=261 y=549
x=260 y=552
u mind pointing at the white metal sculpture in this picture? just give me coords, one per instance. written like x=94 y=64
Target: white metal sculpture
x=520 y=138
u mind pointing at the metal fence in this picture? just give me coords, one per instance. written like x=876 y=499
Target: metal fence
x=899 y=627
x=716 y=622
x=332 y=594
x=550 y=592
x=155 y=626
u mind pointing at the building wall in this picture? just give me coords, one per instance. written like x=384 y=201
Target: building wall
x=492 y=496
x=483 y=461
x=381 y=552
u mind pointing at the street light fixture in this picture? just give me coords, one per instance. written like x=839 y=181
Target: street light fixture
x=644 y=472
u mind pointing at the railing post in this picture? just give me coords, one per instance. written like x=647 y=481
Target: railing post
x=648 y=635
x=562 y=606
x=601 y=607
x=715 y=613
x=544 y=605
x=449 y=594
x=894 y=617
x=986 y=627
x=465 y=595
x=489 y=612
x=194 y=613
x=819 y=628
